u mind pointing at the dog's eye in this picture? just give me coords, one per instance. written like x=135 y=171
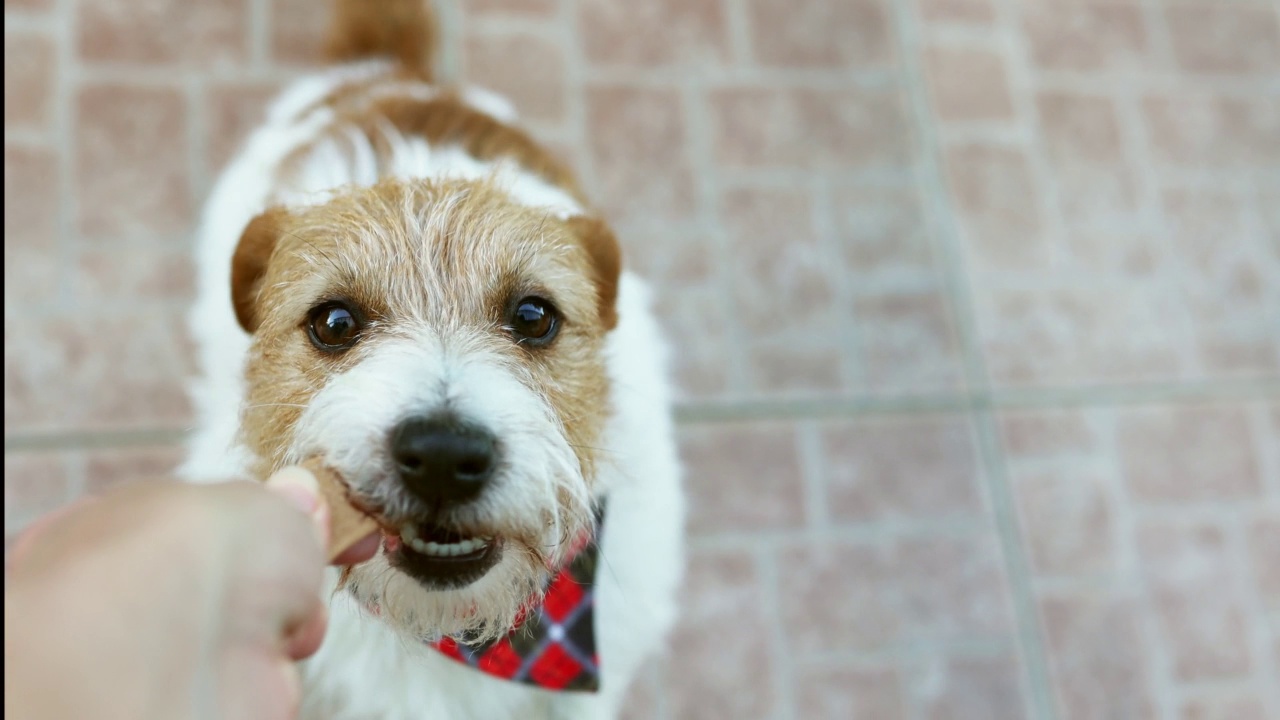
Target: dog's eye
x=534 y=321
x=333 y=326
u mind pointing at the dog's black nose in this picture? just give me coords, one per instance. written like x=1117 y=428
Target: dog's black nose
x=443 y=460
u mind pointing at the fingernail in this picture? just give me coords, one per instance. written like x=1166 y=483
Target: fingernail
x=298 y=486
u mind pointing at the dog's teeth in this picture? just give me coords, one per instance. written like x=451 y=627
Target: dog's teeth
x=409 y=532
x=465 y=547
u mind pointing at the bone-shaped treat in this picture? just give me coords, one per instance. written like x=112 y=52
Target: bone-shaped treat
x=347 y=524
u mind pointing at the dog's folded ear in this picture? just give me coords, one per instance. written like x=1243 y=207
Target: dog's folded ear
x=249 y=264
x=606 y=263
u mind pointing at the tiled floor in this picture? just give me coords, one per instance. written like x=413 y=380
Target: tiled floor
x=977 y=305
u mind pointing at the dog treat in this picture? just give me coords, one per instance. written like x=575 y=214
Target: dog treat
x=347 y=524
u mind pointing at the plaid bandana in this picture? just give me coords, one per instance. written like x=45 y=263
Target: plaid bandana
x=552 y=646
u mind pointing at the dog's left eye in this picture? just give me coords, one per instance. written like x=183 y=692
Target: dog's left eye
x=534 y=321
x=333 y=326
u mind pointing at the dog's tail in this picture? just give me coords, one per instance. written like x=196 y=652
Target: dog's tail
x=401 y=30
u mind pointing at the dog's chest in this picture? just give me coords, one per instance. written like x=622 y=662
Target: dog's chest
x=366 y=671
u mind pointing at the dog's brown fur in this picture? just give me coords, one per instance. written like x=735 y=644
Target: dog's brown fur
x=441 y=120
x=456 y=274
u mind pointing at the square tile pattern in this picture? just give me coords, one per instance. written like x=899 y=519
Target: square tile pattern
x=975 y=303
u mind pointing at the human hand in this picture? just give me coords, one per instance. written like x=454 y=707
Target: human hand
x=163 y=600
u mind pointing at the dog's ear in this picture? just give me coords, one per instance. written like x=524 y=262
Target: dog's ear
x=606 y=263
x=249 y=264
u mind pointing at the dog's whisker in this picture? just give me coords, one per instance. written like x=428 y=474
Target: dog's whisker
x=593 y=448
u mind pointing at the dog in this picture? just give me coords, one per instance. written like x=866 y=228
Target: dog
x=395 y=279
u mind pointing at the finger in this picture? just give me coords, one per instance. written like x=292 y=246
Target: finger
x=291 y=690
x=298 y=486
x=305 y=639
x=281 y=550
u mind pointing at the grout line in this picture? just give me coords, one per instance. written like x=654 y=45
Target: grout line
x=33 y=139
x=78 y=473
x=1162 y=43
x=1158 y=669
x=784 y=690
x=1007 y=136
x=450 y=50
x=1257 y=633
x=258 y=33
x=1019 y=399
x=739 y=32
x=1228 y=389
x=865 y=533
x=77 y=440
x=748 y=410
x=1218 y=688
x=932 y=186
x=711 y=412
x=450 y=26
x=575 y=96
x=1209 y=512
x=755 y=76
x=151 y=76
x=709 y=187
x=1266 y=439
x=905 y=657
x=1275 y=4
x=975 y=37
x=62 y=133
x=1034 y=659
x=1022 y=594
x=196 y=95
x=1153 y=186
x=500 y=25
x=1269 y=464
x=853 y=373
x=813 y=470
x=36 y=21
x=1137 y=150
x=785 y=178
x=39 y=314
x=1086 y=82
x=1044 y=177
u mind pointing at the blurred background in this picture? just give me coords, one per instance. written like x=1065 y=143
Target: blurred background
x=976 y=302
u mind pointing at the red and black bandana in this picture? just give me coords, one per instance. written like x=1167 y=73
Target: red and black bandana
x=553 y=645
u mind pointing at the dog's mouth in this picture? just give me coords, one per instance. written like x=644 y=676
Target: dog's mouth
x=438 y=557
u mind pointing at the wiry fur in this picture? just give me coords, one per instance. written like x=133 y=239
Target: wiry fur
x=428 y=211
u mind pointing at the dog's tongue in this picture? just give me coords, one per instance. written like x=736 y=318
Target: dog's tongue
x=390 y=541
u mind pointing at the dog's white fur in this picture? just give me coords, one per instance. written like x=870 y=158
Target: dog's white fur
x=369 y=667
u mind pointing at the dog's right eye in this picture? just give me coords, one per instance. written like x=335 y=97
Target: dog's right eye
x=333 y=326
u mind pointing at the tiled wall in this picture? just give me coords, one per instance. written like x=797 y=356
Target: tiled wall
x=977 y=305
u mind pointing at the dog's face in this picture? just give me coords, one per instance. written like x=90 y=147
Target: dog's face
x=443 y=349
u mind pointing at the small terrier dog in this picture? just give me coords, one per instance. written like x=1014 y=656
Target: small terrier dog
x=421 y=297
